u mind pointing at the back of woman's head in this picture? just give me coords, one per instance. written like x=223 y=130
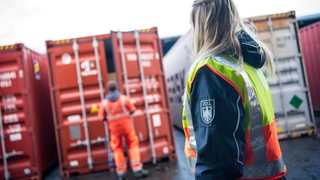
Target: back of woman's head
x=215 y=27
x=215 y=23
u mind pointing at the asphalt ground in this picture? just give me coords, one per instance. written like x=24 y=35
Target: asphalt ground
x=301 y=155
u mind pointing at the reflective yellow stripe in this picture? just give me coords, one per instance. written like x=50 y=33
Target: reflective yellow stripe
x=184 y=123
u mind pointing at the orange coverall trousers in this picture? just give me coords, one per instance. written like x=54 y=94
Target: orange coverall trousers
x=124 y=128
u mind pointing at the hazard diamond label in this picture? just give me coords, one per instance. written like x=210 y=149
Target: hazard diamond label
x=296 y=101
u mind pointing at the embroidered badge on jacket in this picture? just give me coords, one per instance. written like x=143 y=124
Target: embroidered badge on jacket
x=207 y=109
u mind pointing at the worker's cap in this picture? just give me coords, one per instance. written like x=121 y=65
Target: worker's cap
x=112 y=85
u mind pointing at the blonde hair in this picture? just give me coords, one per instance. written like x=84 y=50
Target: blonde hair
x=215 y=27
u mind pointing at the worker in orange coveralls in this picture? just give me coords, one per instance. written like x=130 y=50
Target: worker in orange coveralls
x=116 y=109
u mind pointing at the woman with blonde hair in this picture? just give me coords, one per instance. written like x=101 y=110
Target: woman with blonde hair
x=228 y=114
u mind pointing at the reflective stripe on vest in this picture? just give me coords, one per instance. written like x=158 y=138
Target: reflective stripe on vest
x=187 y=124
x=192 y=140
x=260 y=167
x=124 y=110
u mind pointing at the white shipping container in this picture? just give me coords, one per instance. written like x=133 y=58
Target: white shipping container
x=176 y=63
x=289 y=88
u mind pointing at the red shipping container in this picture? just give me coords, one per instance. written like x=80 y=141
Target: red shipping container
x=310 y=42
x=28 y=147
x=80 y=69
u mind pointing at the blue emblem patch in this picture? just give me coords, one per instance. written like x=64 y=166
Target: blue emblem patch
x=207 y=109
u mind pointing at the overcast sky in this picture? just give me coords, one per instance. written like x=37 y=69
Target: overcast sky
x=32 y=22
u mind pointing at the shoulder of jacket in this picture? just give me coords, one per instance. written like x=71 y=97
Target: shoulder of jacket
x=212 y=61
x=196 y=65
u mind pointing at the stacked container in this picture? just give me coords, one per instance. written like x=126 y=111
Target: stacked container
x=289 y=88
x=28 y=146
x=80 y=69
x=310 y=43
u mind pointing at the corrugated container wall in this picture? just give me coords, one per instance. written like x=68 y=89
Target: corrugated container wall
x=310 y=44
x=28 y=146
x=80 y=69
x=291 y=98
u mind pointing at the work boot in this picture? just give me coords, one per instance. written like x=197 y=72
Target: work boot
x=122 y=176
x=141 y=174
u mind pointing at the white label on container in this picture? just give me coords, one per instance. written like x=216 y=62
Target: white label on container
x=66 y=58
x=132 y=57
x=21 y=73
x=156 y=56
x=15 y=128
x=10 y=118
x=165 y=150
x=156 y=120
x=302 y=125
x=9 y=98
x=146 y=64
x=74 y=163
x=74 y=118
x=10 y=107
x=15 y=137
x=88 y=68
x=147 y=56
x=8 y=75
x=5 y=83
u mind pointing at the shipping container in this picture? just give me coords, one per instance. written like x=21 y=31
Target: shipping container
x=28 y=147
x=167 y=43
x=310 y=44
x=289 y=87
x=307 y=20
x=176 y=64
x=292 y=103
x=80 y=69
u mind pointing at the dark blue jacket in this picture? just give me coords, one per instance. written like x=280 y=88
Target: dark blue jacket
x=215 y=128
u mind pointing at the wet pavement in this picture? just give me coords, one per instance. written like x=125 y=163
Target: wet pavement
x=301 y=155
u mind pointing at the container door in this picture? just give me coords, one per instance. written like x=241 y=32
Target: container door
x=290 y=95
x=17 y=147
x=77 y=90
x=139 y=70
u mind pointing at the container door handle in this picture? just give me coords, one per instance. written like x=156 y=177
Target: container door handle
x=75 y=47
x=153 y=152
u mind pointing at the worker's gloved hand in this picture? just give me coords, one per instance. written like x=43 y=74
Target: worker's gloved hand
x=105 y=119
